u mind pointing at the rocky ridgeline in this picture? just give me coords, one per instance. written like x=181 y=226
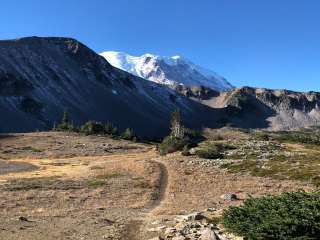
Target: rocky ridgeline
x=197 y=225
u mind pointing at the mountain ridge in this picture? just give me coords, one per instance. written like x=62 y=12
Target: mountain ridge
x=171 y=71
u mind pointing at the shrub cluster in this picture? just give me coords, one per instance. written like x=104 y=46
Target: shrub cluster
x=66 y=124
x=180 y=138
x=213 y=150
x=171 y=144
x=293 y=215
x=299 y=137
x=304 y=136
x=95 y=128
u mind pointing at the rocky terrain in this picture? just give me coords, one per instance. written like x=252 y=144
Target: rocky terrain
x=58 y=185
x=265 y=108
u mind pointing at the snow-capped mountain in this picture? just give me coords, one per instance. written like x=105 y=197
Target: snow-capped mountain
x=171 y=71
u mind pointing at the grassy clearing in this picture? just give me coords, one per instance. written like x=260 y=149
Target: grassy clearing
x=297 y=168
x=293 y=155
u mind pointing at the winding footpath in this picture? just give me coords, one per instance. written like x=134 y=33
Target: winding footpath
x=135 y=229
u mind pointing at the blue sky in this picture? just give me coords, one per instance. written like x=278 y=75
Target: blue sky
x=267 y=43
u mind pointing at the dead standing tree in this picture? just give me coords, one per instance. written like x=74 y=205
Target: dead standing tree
x=177 y=130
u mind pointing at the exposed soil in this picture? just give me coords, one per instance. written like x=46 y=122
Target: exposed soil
x=71 y=187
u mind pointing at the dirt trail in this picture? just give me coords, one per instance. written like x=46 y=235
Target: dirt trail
x=134 y=229
x=162 y=188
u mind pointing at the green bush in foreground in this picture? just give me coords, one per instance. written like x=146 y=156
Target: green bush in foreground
x=287 y=216
x=171 y=144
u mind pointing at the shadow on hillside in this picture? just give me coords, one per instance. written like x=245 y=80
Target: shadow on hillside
x=249 y=114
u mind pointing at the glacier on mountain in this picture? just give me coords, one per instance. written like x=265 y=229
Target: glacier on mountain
x=171 y=71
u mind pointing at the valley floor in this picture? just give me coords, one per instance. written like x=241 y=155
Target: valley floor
x=70 y=186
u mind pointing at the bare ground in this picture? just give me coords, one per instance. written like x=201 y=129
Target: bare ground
x=67 y=186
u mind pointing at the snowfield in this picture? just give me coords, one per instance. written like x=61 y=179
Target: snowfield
x=170 y=71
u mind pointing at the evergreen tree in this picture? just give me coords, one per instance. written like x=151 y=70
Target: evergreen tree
x=66 y=124
x=128 y=134
x=65 y=118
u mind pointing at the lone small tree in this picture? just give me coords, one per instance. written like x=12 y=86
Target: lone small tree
x=177 y=130
x=65 y=119
x=66 y=124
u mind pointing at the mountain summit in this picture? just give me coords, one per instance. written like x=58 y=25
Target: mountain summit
x=171 y=71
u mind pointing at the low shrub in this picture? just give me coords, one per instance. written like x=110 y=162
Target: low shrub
x=110 y=129
x=65 y=128
x=293 y=215
x=262 y=136
x=208 y=153
x=171 y=144
x=186 y=150
x=213 y=150
x=92 y=128
x=66 y=125
x=299 y=137
x=128 y=134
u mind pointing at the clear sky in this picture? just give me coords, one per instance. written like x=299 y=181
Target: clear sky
x=265 y=43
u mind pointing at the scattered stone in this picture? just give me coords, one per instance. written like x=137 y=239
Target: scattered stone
x=208 y=234
x=194 y=226
x=230 y=197
x=23 y=219
x=211 y=210
x=196 y=216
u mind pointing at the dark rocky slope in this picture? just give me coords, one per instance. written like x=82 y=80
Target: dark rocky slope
x=42 y=77
x=264 y=108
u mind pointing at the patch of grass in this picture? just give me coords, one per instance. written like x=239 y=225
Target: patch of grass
x=287 y=216
x=213 y=150
x=171 y=144
x=42 y=183
x=7 y=151
x=101 y=180
x=96 y=183
x=295 y=167
x=56 y=164
x=106 y=176
x=304 y=136
x=264 y=136
x=209 y=153
x=142 y=184
x=32 y=149
x=96 y=168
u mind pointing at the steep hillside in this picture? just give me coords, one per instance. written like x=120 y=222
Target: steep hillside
x=42 y=77
x=172 y=71
x=265 y=108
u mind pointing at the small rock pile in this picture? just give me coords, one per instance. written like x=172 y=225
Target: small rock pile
x=195 y=226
